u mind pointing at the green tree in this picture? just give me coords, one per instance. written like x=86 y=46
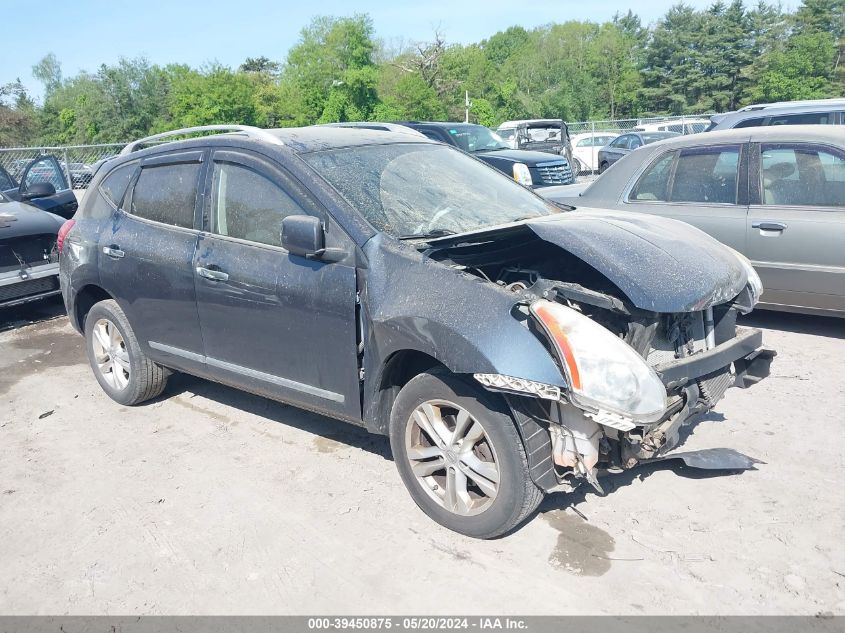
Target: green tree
x=331 y=68
x=17 y=115
x=216 y=95
x=801 y=70
x=49 y=72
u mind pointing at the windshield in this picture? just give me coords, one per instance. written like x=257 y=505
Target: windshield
x=475 y=138
x=418 y=189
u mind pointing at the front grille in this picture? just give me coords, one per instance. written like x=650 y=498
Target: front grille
x=34 y=250
x=28 y=287
x=556 y=173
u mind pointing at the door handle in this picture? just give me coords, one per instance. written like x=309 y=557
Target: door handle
x=113 y=251
x=769 y=225
x=213 y=275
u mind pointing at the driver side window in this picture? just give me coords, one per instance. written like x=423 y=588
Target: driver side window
x=46 y=170
x=249 y=206
x=5 y=180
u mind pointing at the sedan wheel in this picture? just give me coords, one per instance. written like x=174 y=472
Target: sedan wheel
x=452 y=457
x=111 y=355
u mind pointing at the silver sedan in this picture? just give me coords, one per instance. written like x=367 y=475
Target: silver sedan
x=776 y=195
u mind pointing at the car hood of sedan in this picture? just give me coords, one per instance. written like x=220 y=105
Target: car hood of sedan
x=18 y=220
x=660 y=264
x=528 y=157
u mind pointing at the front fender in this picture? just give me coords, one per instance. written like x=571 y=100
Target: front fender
x=467 y=324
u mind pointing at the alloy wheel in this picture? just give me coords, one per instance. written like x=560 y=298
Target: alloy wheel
x=110 y=354
x=452 y=457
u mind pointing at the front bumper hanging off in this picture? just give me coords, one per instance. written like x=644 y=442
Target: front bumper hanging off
x=751 y=361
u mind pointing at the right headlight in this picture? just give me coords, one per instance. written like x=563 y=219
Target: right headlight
x=753 y=278
x=603 y=371
x=522 y=174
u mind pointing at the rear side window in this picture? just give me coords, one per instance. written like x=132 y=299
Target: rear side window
x=114 y=185
x=248 y=206
x=756 y=122
x=653 y=185
x=805 y=118
x=167 y=194
x=706 y=174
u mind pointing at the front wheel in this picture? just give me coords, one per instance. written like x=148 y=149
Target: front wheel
x=603 y=167
x=577 y=168
x=460 y=456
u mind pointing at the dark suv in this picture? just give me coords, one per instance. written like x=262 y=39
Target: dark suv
x=507 y=348
x=531 y=168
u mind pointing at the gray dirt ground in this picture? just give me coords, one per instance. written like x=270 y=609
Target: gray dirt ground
x=216 y=502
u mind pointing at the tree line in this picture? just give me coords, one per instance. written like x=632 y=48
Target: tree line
x=689 y=61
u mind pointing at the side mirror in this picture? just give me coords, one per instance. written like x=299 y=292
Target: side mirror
x=303 y=235
x=38 y=190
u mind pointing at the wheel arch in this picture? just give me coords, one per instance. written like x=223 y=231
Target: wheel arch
x=85 y=299
x=393 y=374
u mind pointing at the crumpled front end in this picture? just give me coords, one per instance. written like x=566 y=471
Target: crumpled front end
x=640 y=315
x=696 y=357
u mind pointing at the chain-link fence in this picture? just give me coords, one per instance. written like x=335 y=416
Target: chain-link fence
x=76 y=161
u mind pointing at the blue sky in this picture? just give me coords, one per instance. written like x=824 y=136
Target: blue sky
x=86 y=33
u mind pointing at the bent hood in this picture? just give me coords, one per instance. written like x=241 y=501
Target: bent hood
x=660 y=264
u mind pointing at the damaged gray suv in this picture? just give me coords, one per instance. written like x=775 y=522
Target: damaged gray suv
x=509 y=347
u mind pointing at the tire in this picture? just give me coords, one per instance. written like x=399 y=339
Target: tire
x=474 y=511
x=603 y=168
x=124 y=372
x=577 y=168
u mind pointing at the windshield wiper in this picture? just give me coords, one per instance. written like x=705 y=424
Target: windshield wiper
x=428 y=234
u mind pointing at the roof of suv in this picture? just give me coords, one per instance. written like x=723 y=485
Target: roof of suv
x=792 y=104
x=732 y=118
x=320 y=137
x=304 y=139
x=776 y=133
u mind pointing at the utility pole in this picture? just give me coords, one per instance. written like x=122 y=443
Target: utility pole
x=467 y=105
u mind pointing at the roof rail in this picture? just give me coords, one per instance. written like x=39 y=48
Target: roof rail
x=247 y=130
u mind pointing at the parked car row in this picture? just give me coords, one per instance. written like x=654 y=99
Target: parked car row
x=387 y=275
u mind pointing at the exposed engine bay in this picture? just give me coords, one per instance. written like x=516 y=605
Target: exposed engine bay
x=692 y=357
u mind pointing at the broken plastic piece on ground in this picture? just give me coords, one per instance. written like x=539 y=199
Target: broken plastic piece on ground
x=713 y=459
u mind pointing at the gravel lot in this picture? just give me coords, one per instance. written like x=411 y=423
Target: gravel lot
x=216 y=502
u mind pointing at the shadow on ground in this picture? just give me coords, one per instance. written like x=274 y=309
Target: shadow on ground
x=29 y=313
x=327 y=428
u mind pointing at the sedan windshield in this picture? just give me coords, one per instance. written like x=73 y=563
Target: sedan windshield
x=422 y=190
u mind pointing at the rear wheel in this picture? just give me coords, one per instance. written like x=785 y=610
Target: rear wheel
x=460 y=456
x=577 y=168
x=124 y=372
